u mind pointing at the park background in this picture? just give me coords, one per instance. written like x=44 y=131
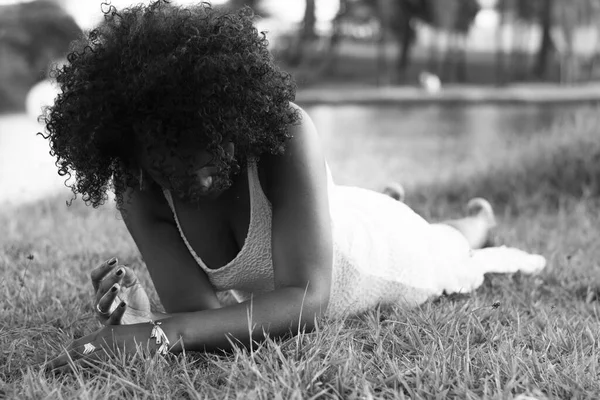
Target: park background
x=451 y=98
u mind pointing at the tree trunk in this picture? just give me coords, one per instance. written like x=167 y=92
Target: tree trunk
x=570 y=58
x=433 y=62
x=405 y=35
x=500 y=67
x=309 y=21
x=461 y=62
x=305 y=36
x=383 y=15
x=405 y=47
x=546 y=46
x=330 y=58
x=450 y=59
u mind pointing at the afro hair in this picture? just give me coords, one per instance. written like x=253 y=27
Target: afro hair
x=151 y=77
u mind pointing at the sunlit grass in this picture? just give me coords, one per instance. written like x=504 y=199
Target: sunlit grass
x=541 y=340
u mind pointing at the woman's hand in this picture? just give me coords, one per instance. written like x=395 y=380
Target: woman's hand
x=109 y=340
x=119 y=298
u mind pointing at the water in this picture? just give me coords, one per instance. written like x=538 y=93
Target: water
x=369 y=146
x=27 y=172
x=365 y=146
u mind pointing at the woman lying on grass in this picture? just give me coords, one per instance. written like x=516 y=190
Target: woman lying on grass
x=222 y=184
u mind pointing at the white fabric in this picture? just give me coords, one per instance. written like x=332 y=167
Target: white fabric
x=383 y=253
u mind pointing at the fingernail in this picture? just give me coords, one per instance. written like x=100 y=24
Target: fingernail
x=113 y=288
x=122 y=304
x=119 y=271
x=112 y=261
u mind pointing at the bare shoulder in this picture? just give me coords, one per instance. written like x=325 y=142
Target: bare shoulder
x=305 y=125
x=303 y=156
x=301 y=242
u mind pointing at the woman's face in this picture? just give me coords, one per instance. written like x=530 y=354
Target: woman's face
x=189 y=174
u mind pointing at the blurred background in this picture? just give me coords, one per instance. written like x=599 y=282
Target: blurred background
x=401 y=81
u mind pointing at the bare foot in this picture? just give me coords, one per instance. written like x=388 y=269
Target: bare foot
x=481 y=209
x=395 y=191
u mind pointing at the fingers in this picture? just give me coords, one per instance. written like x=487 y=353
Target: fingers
x=109 y=280
x=115 y=317
x=106 y=301
x=130 y=277
x=101 y=271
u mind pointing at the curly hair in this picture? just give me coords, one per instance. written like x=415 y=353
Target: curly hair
x=152 y=77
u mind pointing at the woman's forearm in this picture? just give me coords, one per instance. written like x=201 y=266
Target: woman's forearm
x=157 y=315
x=275 y=314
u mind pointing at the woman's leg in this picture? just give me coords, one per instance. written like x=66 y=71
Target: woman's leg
x=475 y=227
x=478 y=223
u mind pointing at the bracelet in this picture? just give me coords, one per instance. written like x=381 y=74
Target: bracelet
x=161 y=339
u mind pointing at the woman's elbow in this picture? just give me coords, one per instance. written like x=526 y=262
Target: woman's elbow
x=314 y=306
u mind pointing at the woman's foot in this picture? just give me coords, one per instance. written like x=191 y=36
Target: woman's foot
x=482 y=210
x=476 y=227
x=395 y=191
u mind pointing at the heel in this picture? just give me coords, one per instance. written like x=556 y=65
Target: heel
x=395 y=191
x=482 y=208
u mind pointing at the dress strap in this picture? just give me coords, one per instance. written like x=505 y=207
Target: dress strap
x=199 y=261
x=258 y=202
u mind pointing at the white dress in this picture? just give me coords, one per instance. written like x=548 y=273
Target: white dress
x=384 y=253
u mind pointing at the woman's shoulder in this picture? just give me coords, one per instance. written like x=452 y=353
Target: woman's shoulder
x=303 y=136
x=303 y=156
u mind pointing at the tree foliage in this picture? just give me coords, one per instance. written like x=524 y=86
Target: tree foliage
x=32 y=35
x=39 y=30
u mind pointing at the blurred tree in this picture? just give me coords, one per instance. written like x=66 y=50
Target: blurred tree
x=403 y=28
x=40 y=31
x=336 y=36
x=453 y=19
x=593 y=64
x=309 y=21
x=401 y=21
x=350 y=15
x=397 y=19
x=500 y=56
x=557 y=19
x=32 y=35
x=236 y=4
x=520 y=16
x=546 y=45
x=306 y=35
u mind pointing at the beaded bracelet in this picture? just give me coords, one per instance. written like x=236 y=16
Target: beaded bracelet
x=161 y=339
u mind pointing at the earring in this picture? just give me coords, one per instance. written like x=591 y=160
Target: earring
x=141 y=179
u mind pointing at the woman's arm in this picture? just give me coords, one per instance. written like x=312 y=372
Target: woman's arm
x=296 y=186
x=181 y=285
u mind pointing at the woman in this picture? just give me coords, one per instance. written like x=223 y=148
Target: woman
x=222 y=183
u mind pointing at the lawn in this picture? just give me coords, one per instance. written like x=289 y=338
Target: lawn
x=515 y=336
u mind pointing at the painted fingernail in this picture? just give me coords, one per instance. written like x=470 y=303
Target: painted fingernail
x=113 y=288
x=112 y=261
x=120 y=272
x=122 y=304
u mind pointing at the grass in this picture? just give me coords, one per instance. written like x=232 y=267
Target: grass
x=516 y=335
